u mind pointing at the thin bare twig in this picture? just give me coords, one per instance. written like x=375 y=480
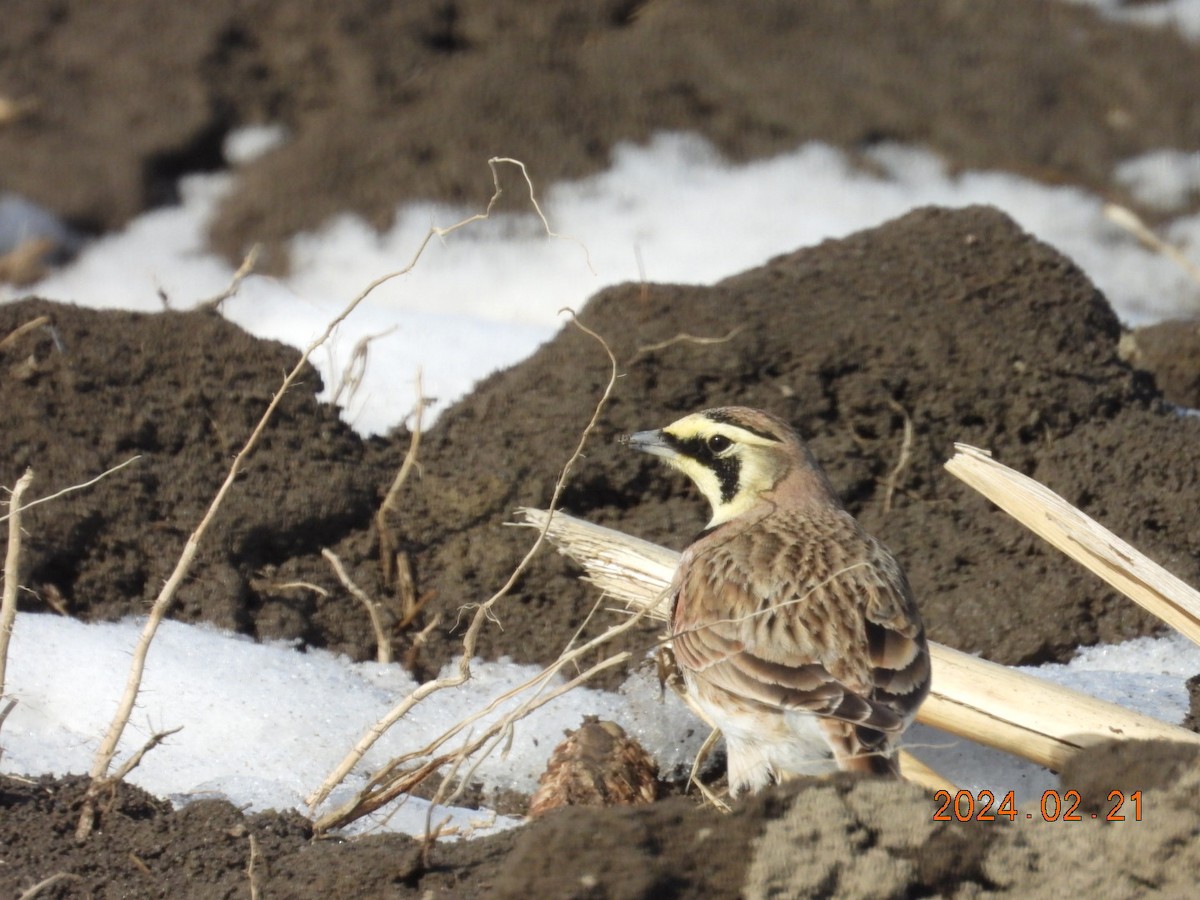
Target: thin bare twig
x=132 y=763
x=383 y=643
x=276 y=587
x=684 y=338
x=12 y=575
x=390 y=565
x=431 y=838
x=393 y=779
x=87 y=815
x=354 y=370
x=406 y=593
x=108 y=746
x=904 y=459
x=46 y=883
x=1131 y=222
x=13 y=110
x=419 y=640
x=483 y=746
x=538 y=208
x=698 y=763
x=72 y=488
x=410 y=457
x=4 y=711
x=252 y=875
x=235 y=283
x=14 y=335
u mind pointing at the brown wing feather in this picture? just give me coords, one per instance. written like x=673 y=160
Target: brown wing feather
x=826 y=625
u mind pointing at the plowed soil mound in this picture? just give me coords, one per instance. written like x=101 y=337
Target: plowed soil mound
x=953 y=322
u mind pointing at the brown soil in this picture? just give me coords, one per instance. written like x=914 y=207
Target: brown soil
x=394 y=102
x=844 y=837
x=1171 y=350
x=955 y=321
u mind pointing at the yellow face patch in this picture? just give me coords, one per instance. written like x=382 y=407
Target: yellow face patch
x=730 y=464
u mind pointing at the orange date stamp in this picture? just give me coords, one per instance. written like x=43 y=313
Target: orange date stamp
x=981 y=806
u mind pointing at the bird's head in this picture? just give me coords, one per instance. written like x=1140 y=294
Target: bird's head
x=736 y=456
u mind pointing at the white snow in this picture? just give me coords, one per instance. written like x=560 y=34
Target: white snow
x=1184 y=15
x=264 y=724
x=486 y=296
x=1164 y=179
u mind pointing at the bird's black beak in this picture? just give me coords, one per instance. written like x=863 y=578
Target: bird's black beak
x=652 y=442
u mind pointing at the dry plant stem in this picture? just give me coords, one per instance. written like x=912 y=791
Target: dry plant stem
x=410 y=605
x=356 y=368
x=1131 y=222
x=387 y=541
x=905 y=457
x=694 y=776
x=15 y=109
x=431 y=838
x=281 y=586
x=394 y=780
x=482 y=613
x=108 y=745
x=5 y=709
x=132 y=763
x=47 y=883
x=383 y=643
x=235 y=283
x=973 y=698
x=73 y=488
x=12 y=566
x=503 y=730
x=140 y=864
x=431 y=835
x=684 y=338
x=15 y=335
x=87 y=813
x=410 y=457
x=1082 y=538
x=419 y=640
x=1026 y=716
x=538 y=208
x=251 y=875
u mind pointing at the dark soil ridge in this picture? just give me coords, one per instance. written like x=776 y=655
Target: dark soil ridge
x=956 y=319
x=183 y=391
x=837 y=837
x=394 y=103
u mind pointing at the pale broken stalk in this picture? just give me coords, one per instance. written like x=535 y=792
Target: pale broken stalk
x=12 y=564
x=973 y=698
x=1081 y=537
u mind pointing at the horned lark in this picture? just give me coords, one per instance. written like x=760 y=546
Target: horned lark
x=795 y=630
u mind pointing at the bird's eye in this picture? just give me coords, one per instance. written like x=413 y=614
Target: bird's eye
x=718 y=443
